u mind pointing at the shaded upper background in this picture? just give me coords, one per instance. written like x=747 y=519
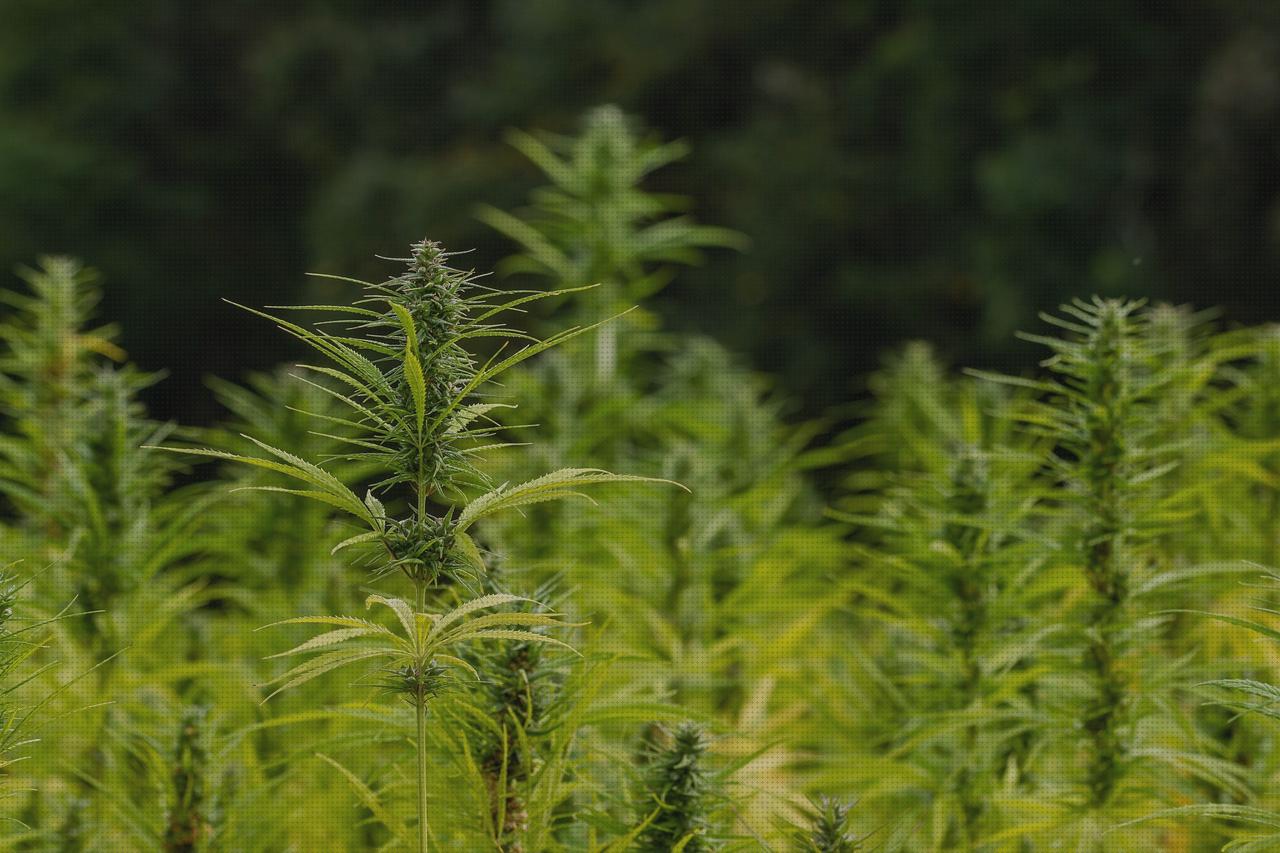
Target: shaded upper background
x=905 y=168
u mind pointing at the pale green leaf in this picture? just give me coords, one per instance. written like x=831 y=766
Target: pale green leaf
x=370 y=799
x=402 y=610
x=417 y=386
x=492 y=600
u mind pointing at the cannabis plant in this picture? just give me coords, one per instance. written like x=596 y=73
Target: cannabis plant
x=180 y=776
x=49 y=351
x=22 y=638
x=400 y=361
x=1019 y=677
x=101 y=518
x=595 y=225
x=827 y=829
x=710 y=592
x=927 y=712
x=684 y=794
x=1118 y=744
x=1254 y=825
x=84 y=494
x=508 y=729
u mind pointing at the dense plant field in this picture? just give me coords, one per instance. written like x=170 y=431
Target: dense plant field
x=505 y=564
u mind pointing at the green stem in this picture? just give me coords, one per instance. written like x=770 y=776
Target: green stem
x=422 y=777
x=420 y=589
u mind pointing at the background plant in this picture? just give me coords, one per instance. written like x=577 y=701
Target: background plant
x=694 y=588
x=931 y=709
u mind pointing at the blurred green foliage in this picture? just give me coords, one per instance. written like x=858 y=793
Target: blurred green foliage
x=903 y=169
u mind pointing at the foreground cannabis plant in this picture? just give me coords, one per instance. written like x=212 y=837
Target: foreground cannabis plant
x=411 y=388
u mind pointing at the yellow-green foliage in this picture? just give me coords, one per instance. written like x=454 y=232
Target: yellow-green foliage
x=986 y=613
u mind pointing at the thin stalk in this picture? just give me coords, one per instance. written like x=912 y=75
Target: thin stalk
x=420 y=709
x=422 y=775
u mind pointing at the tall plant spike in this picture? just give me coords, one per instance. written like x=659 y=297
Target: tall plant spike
x=680 y=787
x=827 y=829
x=1124 y=379
x=398 y=361
x=595 y=224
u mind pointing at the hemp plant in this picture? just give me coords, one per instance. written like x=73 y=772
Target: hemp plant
x=827 y=829
x=944 y=528
x=696 y=596
x=595 y=223
x=398 y=360
x=50 y=351
x=683 y=793
x=1115 y=410
x=1254 y=826
x=20 y=641
x=85 y=498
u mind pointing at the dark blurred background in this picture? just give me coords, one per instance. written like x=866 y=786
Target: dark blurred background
x=905 y=168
